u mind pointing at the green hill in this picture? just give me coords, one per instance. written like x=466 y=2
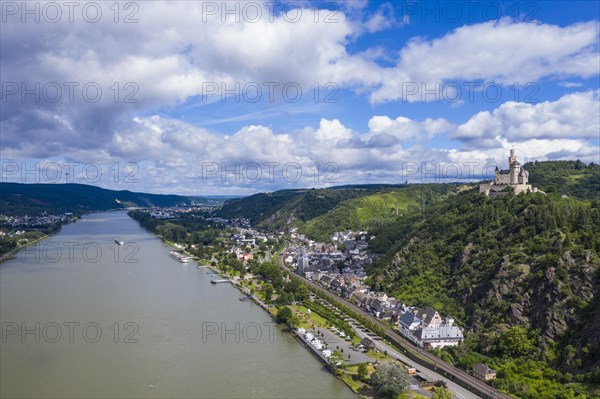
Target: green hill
x=285 y=208
x=572 y=178
x=20 y=199
x=495 y=264
x=320 y=212
x=380 y=208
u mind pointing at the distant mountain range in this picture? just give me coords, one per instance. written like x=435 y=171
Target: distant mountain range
x=20 y=199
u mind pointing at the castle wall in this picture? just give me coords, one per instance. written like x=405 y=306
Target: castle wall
x=502 y=179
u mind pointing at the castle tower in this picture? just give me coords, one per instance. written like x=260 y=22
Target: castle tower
x=512 y=158
x=514 y=167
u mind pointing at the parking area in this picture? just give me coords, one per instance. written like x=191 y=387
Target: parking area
x=333 y=342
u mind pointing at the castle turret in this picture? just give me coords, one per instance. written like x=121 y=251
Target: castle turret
x=522 y=176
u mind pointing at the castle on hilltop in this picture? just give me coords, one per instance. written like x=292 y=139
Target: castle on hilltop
x=513 y=181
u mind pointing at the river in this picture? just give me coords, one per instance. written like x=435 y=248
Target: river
x=85 y=318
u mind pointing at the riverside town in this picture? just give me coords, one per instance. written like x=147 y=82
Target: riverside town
x=358 y=199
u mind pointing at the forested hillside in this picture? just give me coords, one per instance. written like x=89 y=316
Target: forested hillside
x=320 y=212
x=572 y=178
x=378 y=209
x=289 y=207
x=20 y=199
x=522 y=269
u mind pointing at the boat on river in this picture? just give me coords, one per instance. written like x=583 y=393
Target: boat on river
x=179 y=256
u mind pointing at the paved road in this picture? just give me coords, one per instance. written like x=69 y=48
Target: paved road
x=459 y=392
x=457 y=374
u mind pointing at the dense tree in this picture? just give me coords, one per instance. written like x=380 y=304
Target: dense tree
x=294 y=321
x=389 y=380
x=285 y=298
x=268 y=291
x=172 y=232
x=362 y=371
x=284 y=314
x=268 y=270
x=516 y=341
x=296 y=287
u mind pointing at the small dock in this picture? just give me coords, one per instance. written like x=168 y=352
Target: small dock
x=218 y=281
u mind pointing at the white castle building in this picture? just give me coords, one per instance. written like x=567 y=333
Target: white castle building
x=513 y=181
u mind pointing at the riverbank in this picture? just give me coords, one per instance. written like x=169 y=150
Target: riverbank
x=13 y=252
x=244 y=285
x=329 y=337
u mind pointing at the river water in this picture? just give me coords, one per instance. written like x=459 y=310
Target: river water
x=85 y=318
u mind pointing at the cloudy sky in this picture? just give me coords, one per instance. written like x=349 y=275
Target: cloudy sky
x=241 y=97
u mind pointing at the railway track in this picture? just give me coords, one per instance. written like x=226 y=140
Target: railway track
x=419 y=355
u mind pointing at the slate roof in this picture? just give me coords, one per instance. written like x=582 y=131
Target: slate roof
x=428 y=314
x=441 y=333
x=483 y=369
x=408 y=318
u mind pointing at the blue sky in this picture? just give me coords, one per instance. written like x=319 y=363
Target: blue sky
x=370 y=91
